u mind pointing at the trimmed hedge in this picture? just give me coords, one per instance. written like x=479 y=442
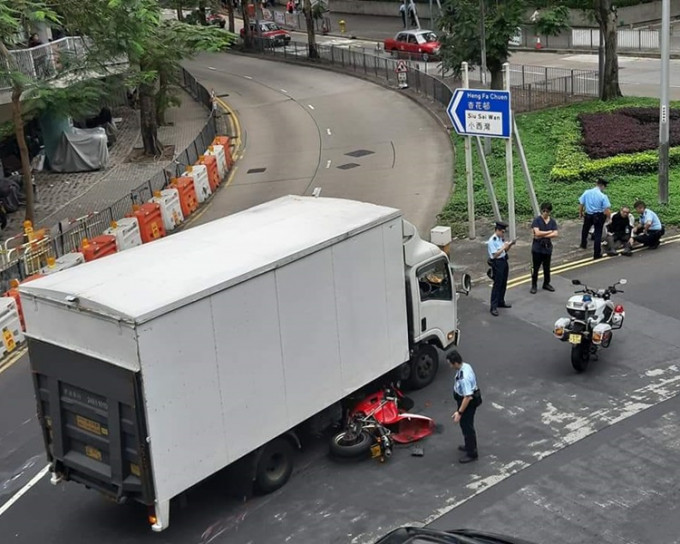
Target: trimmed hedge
x=561 y=170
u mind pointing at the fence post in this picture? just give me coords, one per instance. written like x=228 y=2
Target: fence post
x=572 y=82
x=639 y=39
x=523 y=81
x=363 y=54
x=529 y=96
x=546 y=79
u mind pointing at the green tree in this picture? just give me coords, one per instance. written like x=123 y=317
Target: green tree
x=461 y=39
x=606 y=15
x=15 y=16
x=154 y=49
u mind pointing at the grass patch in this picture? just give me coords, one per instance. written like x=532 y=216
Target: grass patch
x=561 y=170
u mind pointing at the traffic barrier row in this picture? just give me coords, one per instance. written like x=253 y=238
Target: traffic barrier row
x=152 y=220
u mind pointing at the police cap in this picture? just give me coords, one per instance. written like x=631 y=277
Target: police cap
x=501 y=225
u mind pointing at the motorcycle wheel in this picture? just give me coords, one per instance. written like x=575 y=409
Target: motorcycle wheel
x=345 y=446
x=580 y=356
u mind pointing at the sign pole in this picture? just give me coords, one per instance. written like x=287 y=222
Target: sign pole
x=508 y=160
x=664 y=113
x=468 y=167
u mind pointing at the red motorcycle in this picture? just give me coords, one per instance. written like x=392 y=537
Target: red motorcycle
x=377 y=422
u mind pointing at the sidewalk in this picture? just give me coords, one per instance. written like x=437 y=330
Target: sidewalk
x=68 y=196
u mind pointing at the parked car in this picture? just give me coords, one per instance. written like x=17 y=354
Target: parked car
x=422 y=44
x=415 y=535
x=270 y=31
x=216 y=19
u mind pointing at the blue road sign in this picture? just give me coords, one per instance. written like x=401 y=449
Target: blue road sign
x=481 y=112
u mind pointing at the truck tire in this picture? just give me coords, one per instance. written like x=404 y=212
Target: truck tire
x=341 y=447
x=274 y=466
x=424 y=366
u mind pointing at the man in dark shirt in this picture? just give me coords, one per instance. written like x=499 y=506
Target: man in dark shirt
x=618 y=231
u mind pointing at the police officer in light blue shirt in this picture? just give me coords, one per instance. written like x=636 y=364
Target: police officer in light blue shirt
x=594 y=208
x=498 y=261
x=468 y=398
x=650 y=230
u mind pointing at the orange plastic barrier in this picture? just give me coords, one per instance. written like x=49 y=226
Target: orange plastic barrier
x=150 y=221
x=14 y=293
x=226 y=143
x=98 y=247
x=187 y=194
x=210 y=162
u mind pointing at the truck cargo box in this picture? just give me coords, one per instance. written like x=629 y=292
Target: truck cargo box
x=150 y=365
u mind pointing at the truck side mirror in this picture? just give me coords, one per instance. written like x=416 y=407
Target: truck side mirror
x=465 y=284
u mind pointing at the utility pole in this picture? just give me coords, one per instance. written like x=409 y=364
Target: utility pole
x=482 y=25
x=663 y=114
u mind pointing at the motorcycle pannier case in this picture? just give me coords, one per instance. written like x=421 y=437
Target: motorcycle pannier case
x=602 y=335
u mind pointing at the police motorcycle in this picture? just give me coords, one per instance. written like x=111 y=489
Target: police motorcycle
x=592 y=318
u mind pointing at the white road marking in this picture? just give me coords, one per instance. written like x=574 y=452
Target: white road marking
x=248 y=77
x=311 y=107
x=328 y=130
x=284 y=91
x=211 y=68
x=663 y=388
x=23 y=490
x=328 y=164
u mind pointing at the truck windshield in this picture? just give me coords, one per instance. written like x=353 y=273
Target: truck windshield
x=434 y=281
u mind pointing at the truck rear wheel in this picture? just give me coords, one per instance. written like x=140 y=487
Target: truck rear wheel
x=424 y=366
x=274 y=466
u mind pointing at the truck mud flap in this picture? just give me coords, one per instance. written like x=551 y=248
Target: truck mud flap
x=92 y=418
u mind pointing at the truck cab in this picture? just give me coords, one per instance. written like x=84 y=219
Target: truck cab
x=431 y=303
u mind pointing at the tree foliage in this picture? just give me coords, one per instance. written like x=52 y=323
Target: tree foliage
x=461 y=39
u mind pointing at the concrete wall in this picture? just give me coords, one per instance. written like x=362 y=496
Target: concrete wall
x=630 y=15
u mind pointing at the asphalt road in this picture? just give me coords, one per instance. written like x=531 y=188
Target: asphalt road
x=305 y=128
x=564 y=457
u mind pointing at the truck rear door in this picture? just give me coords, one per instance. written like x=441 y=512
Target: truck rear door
x=92 y=416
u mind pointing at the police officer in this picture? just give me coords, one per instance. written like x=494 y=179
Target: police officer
x=650 y=230
x=594 y=208
x=468 y=398
x=498 y=260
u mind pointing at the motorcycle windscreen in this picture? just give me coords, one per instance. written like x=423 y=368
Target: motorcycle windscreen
x=412 y=427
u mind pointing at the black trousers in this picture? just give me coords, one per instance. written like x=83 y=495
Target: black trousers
x=467 y=426
x=539 y=260
x=500 y=282
x=651 y=239
x=593 y=220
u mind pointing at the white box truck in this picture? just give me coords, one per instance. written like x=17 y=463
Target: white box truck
x=150 y=365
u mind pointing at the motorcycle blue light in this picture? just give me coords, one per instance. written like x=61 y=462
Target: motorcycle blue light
x=587 y=298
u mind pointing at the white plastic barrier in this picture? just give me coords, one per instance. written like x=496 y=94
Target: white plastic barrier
x=10 y=326
x=69 y=260
x=218 y=152
x=199 y=173
x=171 y=208
x=127 y=233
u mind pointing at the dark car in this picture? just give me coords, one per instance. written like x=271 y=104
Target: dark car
x=415 y=535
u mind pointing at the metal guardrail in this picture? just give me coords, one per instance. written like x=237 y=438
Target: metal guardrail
x=533 y=87
x=17 y=262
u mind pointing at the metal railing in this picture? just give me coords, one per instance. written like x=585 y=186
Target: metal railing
x=51 y=60
x=533 y=87
x=17 y=259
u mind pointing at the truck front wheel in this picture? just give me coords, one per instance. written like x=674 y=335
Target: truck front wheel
x=274 y=466
x=424 y=366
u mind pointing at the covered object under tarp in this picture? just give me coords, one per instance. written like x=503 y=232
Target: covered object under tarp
x=81 y=150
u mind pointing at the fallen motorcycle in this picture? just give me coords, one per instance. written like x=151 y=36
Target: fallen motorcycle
x=592 y=318
x=376 y=423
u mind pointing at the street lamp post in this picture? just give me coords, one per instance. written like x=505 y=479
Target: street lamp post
x=664 y=113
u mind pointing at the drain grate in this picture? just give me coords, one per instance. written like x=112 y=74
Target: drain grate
x=256 y=170
x=348 y=166
x=359 y=153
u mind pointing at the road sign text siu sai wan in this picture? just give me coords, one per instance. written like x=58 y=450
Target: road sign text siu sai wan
x=481 y=112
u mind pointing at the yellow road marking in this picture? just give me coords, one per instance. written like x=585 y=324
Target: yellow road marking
x=4 y=365
x=573 y=265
